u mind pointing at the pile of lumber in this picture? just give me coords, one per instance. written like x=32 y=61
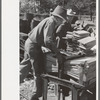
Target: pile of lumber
x=80 y=41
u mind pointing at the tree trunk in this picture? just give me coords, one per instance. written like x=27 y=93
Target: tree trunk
x=91 y=16
x=79 y=15
x=90 y=12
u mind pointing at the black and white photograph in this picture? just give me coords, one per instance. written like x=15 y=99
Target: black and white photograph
x=57 y=50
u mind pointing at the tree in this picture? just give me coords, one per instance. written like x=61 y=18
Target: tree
x=83 y=6
x=80 y=6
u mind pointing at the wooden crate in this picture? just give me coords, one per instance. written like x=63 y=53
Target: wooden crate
x=82 y=69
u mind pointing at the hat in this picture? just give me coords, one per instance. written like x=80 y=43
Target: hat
x=70 y=12
x=60 y=12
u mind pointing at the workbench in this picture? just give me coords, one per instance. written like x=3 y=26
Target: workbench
x=82 y=70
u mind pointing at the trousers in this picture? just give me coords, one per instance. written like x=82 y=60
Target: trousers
x=33 y=58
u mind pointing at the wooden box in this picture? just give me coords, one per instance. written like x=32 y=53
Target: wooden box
x=81 y=69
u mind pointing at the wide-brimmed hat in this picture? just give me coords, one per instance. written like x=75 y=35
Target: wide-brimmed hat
x=70 y=12
x=60 y=12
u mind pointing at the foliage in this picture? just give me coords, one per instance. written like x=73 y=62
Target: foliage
x=80 y=6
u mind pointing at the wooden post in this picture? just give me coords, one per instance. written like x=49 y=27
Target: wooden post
x=45 y=89
x=63 y=95
x=59 y=92
x=74 y=93
x=60 y=75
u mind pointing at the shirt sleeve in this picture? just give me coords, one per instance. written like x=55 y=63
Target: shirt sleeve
x=49 y=36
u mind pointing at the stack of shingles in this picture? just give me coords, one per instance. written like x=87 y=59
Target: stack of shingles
x=83 y=69
x=87 y=42
x=81 y=34
x=75 y=36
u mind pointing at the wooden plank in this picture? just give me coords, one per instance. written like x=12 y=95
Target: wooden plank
x=81 y=32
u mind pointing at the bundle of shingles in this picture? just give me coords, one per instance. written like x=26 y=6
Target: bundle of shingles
x=88 y=44
x=81 y=34
x=82 y=41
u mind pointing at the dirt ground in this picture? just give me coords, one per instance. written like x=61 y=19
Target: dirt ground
x=26 y=91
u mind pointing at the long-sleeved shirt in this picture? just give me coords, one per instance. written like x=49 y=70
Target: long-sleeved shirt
x=44 y=33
